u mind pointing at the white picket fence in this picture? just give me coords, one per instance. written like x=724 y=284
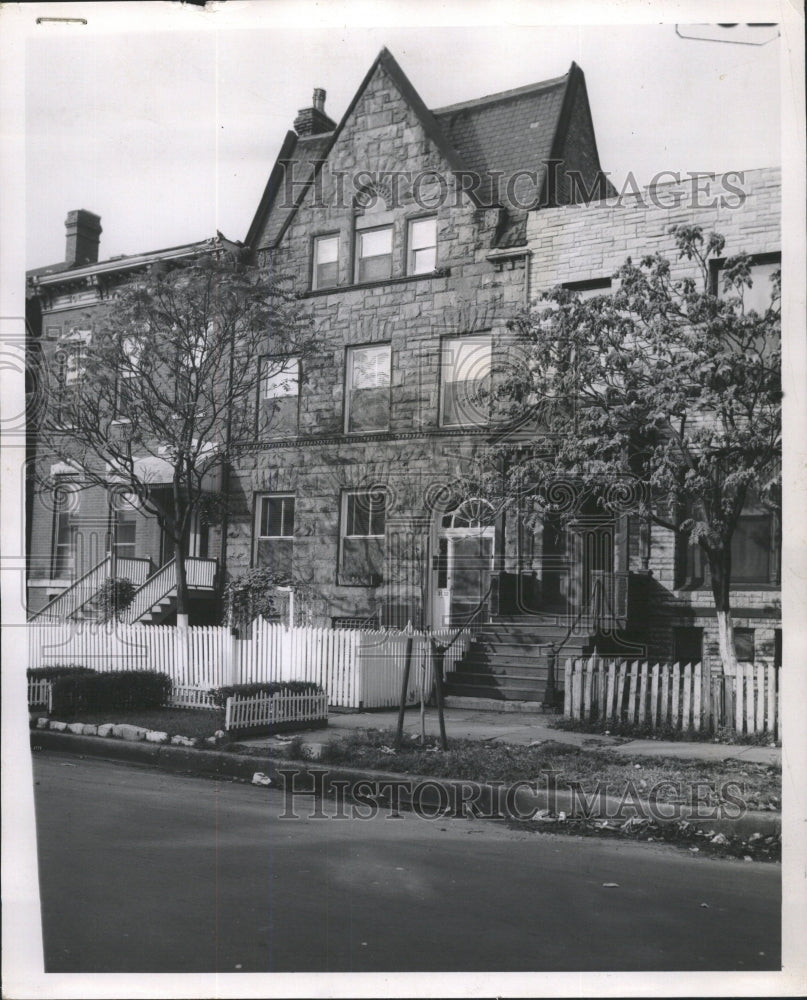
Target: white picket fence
x=38 y=693
x=357 y=669
x=684 y=696
x=269 y=710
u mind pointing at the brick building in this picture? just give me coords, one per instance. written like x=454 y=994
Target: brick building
x=412 y=237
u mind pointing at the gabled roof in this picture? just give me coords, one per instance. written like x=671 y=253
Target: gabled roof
x=516 y=130
x=507 y=132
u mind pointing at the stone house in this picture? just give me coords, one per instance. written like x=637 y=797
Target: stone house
x=413 y=236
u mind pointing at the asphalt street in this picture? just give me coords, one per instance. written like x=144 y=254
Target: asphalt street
x=143 y=871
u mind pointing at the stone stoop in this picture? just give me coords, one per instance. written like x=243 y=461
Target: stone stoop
x=507 y=662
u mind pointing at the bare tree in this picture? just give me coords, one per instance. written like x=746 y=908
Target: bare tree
x=167 y=375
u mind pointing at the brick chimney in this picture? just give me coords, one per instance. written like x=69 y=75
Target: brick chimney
x=313 y=120
x=83 y=231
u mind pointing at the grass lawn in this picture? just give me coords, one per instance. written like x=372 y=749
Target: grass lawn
x=475 y=761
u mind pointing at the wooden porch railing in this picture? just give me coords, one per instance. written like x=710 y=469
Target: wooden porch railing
x=200 y=574
x=70 y=601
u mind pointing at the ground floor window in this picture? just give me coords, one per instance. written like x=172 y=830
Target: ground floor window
x=744 y=645
x=361 y=548
x=687 y=644
x=274 y=533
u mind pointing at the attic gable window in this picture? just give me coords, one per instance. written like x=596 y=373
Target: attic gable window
x=374 y=254
x=326 y=262
x=422 y=246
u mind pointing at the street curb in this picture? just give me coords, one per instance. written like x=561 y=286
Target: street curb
x=433 y=792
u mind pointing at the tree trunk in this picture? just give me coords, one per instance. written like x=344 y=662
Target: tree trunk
x=182 y=581
x=720 y=569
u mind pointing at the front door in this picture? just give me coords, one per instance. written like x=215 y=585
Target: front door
x=465 y=546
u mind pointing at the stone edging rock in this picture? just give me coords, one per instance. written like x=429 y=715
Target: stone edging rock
x=123 y=731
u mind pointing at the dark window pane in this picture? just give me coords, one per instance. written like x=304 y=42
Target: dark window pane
x=279 y=417
x=368 y=409
x=744 y=644
x=327 y=274
x=362 y=561
x=751 y=549
x=277 y=554
x=365 y=514
x=375 y=268
x=277 y=517
x=687 y=644
x=467 y=402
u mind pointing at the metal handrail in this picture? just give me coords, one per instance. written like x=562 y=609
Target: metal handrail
x=469 y=619
x=596 y=584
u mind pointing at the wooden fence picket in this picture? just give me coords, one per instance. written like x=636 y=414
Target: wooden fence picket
x=567 y=689
x=609 y=693
x=620 y=690
x=676 y=693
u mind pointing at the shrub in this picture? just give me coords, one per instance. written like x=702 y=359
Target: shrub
x=114 y=597
x=58 y=670
x=220 y=695
x=113 y=691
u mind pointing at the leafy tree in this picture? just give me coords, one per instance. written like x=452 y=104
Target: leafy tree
x=668 y=386
x=168 y=377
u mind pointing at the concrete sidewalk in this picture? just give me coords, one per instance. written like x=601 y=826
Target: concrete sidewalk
x=522 y=729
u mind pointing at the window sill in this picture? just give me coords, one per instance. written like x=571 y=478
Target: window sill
x=441 y=272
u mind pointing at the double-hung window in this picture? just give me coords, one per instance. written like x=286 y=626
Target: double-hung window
x=367 y=396
x=373 y=254
x=66 y=500
x=757 y=296
x=465 y=378
x=363 y=520
x=422 y=246
x=279 y=396
x=326 y=262
x=274 y=533
x=70 y=359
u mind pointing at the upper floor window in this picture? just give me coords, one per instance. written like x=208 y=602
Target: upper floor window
x=589 y=288
x=367 y=393
x=465 y=389
x=279 y=395
x=757 y=297
x=422 y=246
x=326 y=262
x=374 y=254
x=133 y=355
x=73 y=356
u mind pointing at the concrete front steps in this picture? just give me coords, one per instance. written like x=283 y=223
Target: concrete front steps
x=507 y=661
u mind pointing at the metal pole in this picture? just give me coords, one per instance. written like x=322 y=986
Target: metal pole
x=439 y=653
x=404 y=688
